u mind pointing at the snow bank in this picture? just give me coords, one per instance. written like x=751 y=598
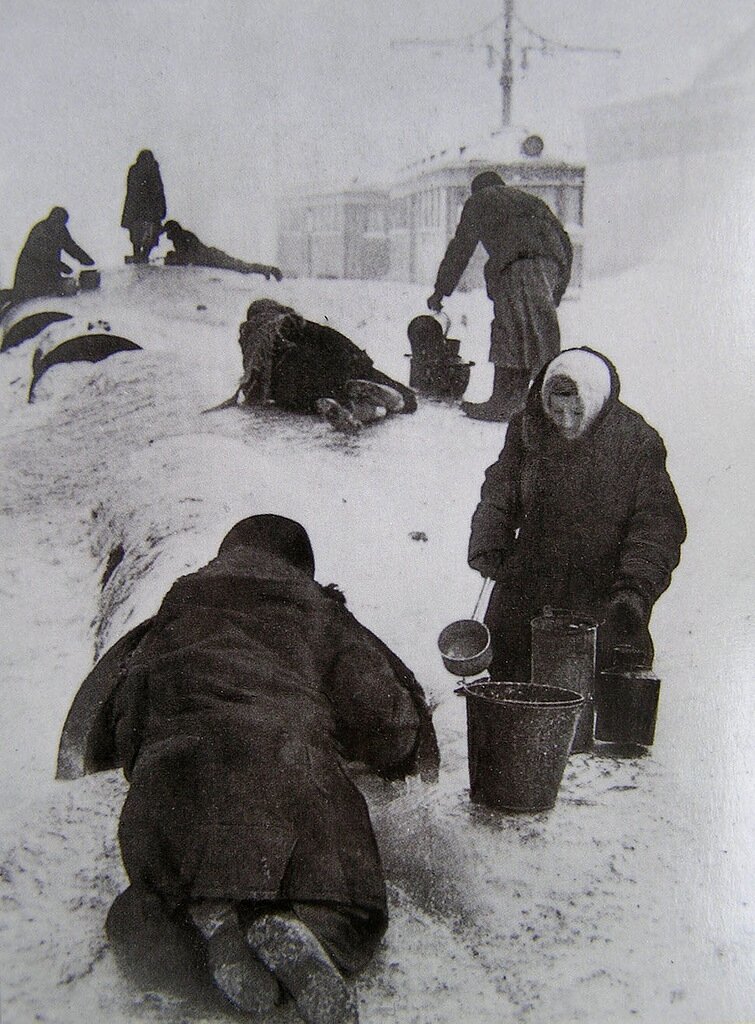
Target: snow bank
x=629 y=901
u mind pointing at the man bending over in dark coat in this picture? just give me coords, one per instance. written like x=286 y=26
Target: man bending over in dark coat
x=188 y=251
x=527 y=272
x=233 y=713
x=579 y=512
x=40 y=270
x=306 y=367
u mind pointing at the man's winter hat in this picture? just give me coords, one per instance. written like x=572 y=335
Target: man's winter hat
x=588 y=372
x=487 y=179
x=276 y=535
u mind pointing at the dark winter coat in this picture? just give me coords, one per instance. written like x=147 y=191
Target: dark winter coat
x=236 y=709
x=145 y=197
x=295 y=362
x=39 y=270
x=527 y=272
x=570 y=524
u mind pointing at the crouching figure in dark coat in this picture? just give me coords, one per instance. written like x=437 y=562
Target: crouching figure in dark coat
x=578 y=513
x=527 y=272
x=40 y=270
x=305 y=367
x=144 y=208
x=188 y=251
x=233 y=713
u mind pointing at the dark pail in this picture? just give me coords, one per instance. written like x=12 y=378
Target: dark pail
x=563 y=655
x=626 y=706
x=518 y=737
x=89 y=280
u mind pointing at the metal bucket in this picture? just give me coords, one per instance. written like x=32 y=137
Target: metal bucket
x=89 y=280
x=563 y=654
x=518 y=738
x=465 y=645
x=626 y=701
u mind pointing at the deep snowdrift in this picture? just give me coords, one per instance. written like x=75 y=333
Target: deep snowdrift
x=630 y=901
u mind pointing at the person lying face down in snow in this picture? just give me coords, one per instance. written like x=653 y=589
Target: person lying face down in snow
x=188 y=251
x=578 y=512
x=233 y=713
x=308 y=368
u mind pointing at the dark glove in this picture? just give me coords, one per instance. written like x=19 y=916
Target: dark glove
x=64 y=268
x=435 y=302
x=626 y=614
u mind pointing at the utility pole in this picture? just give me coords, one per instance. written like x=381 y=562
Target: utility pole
x=476 y=41
x=506 y=81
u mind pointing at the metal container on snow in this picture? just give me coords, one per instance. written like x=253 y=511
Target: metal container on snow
x=89 y=280
x=626 y=700
x=436 y=368
x=563 y=655
x=518 y=739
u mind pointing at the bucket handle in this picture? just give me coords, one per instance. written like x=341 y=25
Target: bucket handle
x=482 y=600
x=445 y=318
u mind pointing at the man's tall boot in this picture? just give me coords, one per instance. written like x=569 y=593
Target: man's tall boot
x=509 y=393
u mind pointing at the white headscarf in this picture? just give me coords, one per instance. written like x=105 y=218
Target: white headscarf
x=591 y=377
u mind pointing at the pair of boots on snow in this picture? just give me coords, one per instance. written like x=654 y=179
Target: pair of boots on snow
x=366 y=402
x=253 y=967
x=510 y=387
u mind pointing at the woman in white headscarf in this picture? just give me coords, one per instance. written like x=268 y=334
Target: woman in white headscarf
x=578 y=512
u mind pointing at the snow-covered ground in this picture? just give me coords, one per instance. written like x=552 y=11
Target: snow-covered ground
x=632 y=899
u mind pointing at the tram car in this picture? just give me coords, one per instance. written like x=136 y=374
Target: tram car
x=401 y=232
x=336 y=235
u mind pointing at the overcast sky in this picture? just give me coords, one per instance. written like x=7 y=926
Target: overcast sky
x=242 y=100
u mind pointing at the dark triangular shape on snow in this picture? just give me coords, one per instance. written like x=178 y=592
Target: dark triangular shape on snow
x=30 y=327
x=86 y=348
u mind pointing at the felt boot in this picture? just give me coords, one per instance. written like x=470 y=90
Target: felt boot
x=297 y=959
x=338 y=416
x=509 y=392
x=237 y=972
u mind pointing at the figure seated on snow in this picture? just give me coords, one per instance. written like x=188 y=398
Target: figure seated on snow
x=578 y=513
x=40 y=270
x=188 y=251
x=233 y=713
x=305 y=367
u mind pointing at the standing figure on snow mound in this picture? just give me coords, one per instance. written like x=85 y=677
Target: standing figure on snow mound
x=527 y=273
x=40 y=270
x=144 y=209
x=578 y=513
x=233 y=713
x=305 y=367
x=188 y=251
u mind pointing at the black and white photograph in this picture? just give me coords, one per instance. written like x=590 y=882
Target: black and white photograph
x=377 y=565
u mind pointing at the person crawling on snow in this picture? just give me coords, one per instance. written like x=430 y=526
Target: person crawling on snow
x=578 y=512
x=188 y=251
x=233 y=713
x=308 y=368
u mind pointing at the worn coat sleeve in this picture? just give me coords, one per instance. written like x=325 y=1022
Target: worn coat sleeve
x=656 y=530
x=68 y=245
x=382 y=717
x=498 y=515
x=459 y=252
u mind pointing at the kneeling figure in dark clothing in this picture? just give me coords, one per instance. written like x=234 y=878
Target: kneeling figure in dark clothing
x=233 y=713
x=305 y=367
x=579 y=513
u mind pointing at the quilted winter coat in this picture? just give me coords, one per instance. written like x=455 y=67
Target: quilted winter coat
x=235 y=710
x=571 y=523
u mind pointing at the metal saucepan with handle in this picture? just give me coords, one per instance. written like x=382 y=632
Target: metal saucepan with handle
x=465 y=644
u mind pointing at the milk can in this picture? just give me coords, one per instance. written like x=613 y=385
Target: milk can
x=626 y=700
x=563 y=655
